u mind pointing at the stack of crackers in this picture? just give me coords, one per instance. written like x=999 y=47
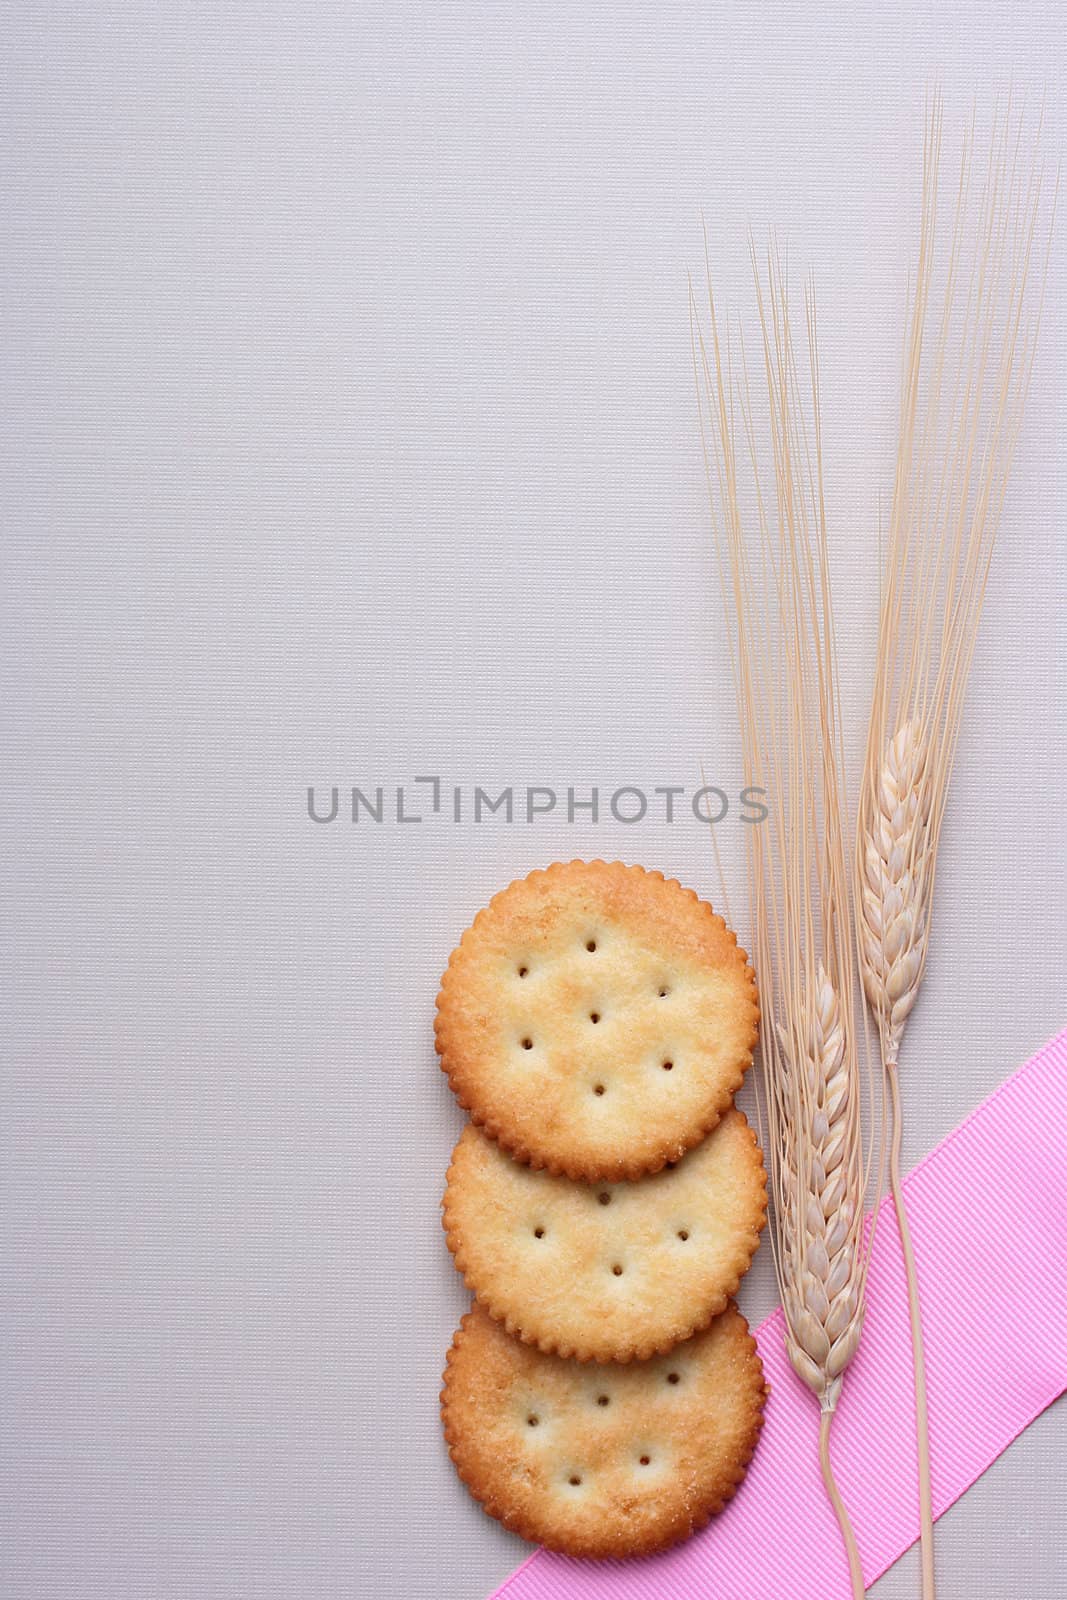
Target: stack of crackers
x=604 y=1396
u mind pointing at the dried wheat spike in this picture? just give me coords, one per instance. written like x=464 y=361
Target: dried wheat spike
x=895 y=884
x=823 y=1293
x=771 y=541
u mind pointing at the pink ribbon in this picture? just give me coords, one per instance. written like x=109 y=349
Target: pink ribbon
x=988 y=1212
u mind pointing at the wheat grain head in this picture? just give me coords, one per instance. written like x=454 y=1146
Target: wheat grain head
x=822 y=1297
x=895 y=873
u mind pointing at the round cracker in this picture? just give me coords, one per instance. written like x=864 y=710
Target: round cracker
x=596 y=1019
x=602 y=1460
x=605 y=1272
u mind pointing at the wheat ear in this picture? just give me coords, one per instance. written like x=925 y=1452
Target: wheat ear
x=822 y=1273
x=774 y=571
x=823 y=1308
x=822 y=1268
x=957 y=438
x=894 y=885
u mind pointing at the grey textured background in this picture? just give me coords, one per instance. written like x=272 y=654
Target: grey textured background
x=348 y=436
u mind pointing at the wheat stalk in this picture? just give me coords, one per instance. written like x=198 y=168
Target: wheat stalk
x=956 y=442
x=776 y=585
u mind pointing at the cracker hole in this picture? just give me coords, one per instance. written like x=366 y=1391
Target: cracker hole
x=668 y=1066
x=532 y=1420
x=672 y=1377
x=574 y=1480
x=523 y=971
x=598 y=1088
x=603 y=1400
x=617 y=1270
x=590 y=945
x=594 y=1016
x=527 y=1043
x=539 y=1233
x=664 y=992
x=604 y=1197
x=683 y=1234
x=644 y=1460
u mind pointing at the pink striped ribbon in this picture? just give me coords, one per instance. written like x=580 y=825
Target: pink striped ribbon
x=988 y=1211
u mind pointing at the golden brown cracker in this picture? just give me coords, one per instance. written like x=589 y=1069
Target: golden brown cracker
x=607 y=1272
x=596 y=1019
x=602 y=1460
